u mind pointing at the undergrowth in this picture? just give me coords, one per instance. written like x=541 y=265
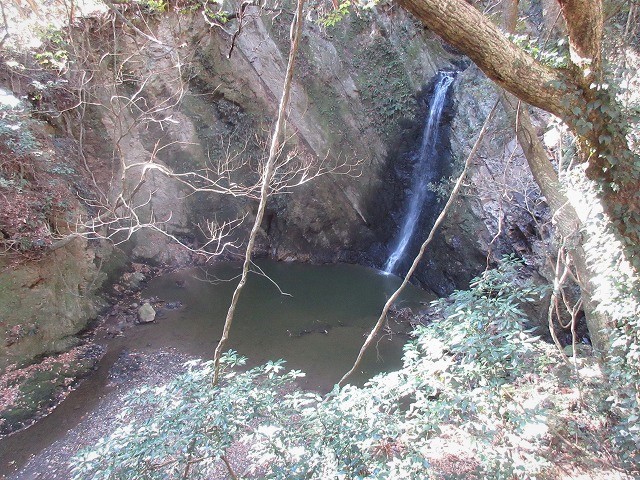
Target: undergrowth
x=476 y=388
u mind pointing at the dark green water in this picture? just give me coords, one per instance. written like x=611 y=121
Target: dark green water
x=337 y=304
x=343 y=300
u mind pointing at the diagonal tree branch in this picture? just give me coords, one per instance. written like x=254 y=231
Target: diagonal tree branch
x=462 y=25
x=454 y=193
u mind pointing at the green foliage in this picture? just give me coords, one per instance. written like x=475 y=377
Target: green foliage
x=62 y=169
x=216 y=15
x=57 y=59
x=442 y=188
x=606 y=127
x=155 y=7
x=55 y=51
x=15 y=134
x=617 y=296
x=211 y=9
x=556 y=55
x=385 y=87
x=15 y=183
x=610 y=122
x=188 y=418
x=461 y=375
x=336 y=15
x=333 y=17
x=484 y=325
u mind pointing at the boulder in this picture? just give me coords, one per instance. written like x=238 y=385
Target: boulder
x=146 y=313
x=135 y=280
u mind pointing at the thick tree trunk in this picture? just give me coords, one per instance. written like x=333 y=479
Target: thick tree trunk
x=467 y=29
x=567 y=93
x=602 y=143
x=565 y=217
x=584 y=20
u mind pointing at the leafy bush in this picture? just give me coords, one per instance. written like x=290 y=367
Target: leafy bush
x=476 y=380
x=187 y=419
x=455 y=378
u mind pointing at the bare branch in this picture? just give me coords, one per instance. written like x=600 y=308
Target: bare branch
x=270 y=167
x=385 y=310
x=126 y=21
x=262 y=273
x=5 y=24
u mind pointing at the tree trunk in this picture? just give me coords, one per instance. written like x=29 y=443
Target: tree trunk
x=584 y=20
x=565 y=217
x=567 y=93
x=274 y=151
x=467 y=29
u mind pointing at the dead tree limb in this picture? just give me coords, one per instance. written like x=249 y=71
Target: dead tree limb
x=454 y=193
x=269 y=169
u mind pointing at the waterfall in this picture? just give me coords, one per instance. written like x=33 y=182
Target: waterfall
x=421 y=171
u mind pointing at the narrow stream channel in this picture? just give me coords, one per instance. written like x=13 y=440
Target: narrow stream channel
x=317 y=324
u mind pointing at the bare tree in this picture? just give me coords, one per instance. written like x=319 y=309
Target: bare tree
x=270 y=168
x=119 y=78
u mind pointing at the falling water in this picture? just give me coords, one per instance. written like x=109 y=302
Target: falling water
x=425 y=157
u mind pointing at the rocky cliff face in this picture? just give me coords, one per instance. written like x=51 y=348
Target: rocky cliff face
x=500 y=210
x=49 y=279
x=45 y=303
x=201 y=99
x=355 y=85
x=186 y=98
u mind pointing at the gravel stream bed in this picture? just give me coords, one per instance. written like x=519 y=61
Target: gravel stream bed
x=132 y=369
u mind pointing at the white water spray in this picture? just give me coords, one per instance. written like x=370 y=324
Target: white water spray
x=425 y=156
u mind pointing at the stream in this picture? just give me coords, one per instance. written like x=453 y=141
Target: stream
x=315 y=317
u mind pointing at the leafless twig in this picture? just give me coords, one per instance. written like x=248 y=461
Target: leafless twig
x=269 y=169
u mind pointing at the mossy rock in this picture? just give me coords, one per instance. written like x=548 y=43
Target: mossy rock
x=41 y=389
